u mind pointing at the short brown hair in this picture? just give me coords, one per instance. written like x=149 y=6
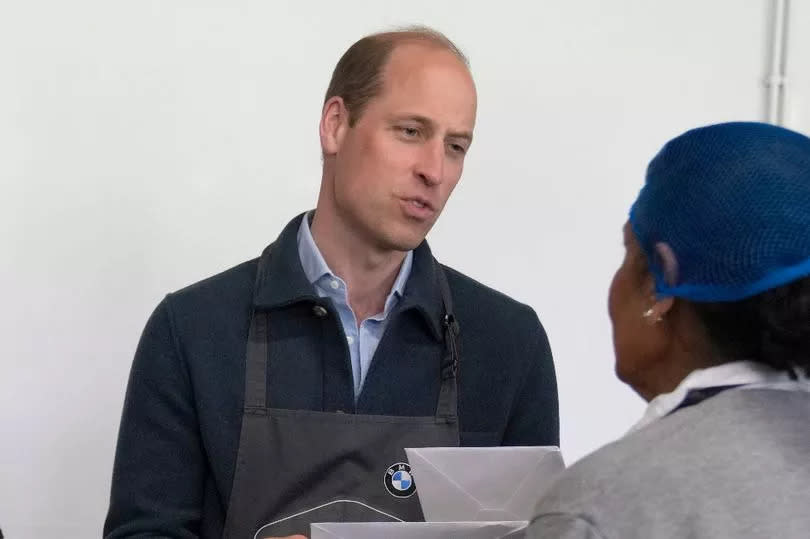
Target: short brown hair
x=357 y=77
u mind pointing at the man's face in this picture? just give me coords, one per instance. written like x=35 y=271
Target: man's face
x=396 y=167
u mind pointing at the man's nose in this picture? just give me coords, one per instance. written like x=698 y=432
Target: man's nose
x=430 y=167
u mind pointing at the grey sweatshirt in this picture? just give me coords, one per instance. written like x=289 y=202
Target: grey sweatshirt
x=734 y=466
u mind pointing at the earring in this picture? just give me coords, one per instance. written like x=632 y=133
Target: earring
x=648 y=314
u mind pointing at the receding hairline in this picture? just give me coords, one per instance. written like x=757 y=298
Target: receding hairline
x=359 y=76
x=418 y=34
x=386 y=42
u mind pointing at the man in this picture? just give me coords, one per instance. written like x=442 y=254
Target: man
x=294 y=381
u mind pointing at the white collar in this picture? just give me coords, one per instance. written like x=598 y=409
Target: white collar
x=733 y=373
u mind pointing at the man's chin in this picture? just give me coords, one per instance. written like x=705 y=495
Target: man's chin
x=403 y=245
x=402 y=242
x=402 y=238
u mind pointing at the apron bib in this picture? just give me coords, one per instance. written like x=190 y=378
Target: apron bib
x=295 y=467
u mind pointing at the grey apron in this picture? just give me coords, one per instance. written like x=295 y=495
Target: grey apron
x=295 y=467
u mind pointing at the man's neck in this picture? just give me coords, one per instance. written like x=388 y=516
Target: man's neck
x=369 y=273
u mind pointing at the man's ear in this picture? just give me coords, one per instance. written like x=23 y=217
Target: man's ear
x=334 y=124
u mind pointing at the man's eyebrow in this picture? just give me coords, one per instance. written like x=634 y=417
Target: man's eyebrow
x=466 y=135
x=424 y=120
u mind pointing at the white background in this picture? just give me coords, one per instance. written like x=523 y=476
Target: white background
x=145 y=145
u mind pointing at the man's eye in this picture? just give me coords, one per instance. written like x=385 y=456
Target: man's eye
x=410 y=132
x=458 y=148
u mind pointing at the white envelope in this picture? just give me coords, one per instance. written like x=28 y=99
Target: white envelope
x=418 y=530
x=456 y=484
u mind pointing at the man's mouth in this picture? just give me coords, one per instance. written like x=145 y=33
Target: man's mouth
x=420 y=203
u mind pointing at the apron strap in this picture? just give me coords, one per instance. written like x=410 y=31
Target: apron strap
x=258 y=348
x=447 y=406
x=256 y=364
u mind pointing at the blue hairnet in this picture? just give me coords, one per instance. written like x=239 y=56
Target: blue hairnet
x=733 y=202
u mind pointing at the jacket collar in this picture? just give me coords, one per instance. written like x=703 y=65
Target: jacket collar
x=281 y=280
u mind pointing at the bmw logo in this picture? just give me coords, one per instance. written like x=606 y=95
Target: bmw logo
x=399 y=481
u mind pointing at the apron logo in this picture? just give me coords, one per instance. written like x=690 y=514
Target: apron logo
x=399 y=481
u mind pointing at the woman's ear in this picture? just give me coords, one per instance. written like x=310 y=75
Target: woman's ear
x=668 y=263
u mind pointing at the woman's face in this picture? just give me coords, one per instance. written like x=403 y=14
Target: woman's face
x=637 y=342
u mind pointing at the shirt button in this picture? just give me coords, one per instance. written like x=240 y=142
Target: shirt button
x=334 y=284
x=319 y=311
x=350 y=339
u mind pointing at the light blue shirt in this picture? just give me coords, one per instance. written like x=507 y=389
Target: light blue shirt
x=362 y=340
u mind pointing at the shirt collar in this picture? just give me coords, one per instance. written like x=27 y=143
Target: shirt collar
x=404 y=273
x=312 y=261
x=732 y=373
x=315 y=267
x=283 y=280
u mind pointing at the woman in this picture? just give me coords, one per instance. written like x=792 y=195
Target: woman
x=711 y=324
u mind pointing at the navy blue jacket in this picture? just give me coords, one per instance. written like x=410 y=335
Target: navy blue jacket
x=179 y=432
